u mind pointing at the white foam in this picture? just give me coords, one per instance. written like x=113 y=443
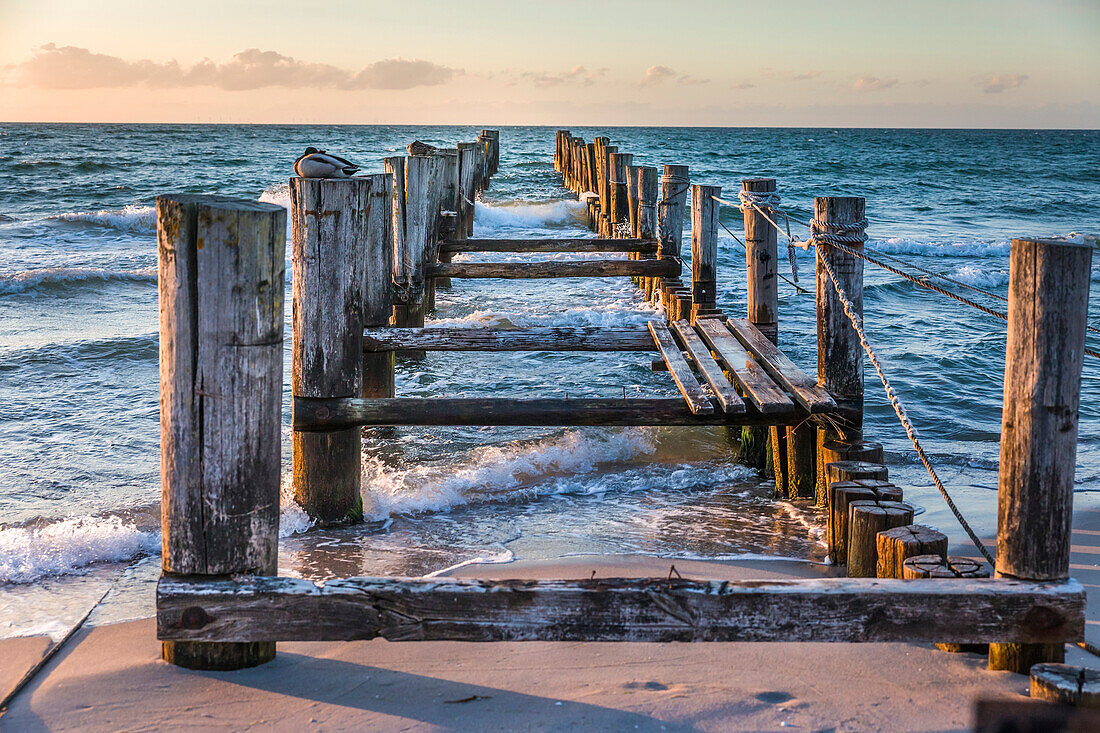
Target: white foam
x=980 y=278
x=501 y=557
x=64 y=547
x=278 y=194
x=901 y=245
x=133 y=218
x=25 y=280
x=59 y=548
x=496 y=472
x=519 y=214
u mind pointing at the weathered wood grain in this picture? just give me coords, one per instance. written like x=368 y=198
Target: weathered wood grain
x=762 y=263
x=537 y=270
x=221 y=275
x=854 y=470
x=548 y=338
x=1066 y=684
x=897 y=545
x=758 y=387
x=1047 y=306
x=655 y=610
x=551 y=245
x=705 y=364
x=704 y=249
x=696 y=399
x=331 y=241
x=865 y=520
x=324 y=415
x=780 y=368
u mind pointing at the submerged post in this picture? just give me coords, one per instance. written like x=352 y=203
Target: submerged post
x=330 y=243
x=704 y=250
x=1048 y=294
x=221 y=274
x=839 y=353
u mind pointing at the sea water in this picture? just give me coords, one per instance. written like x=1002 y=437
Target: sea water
x=79 y=448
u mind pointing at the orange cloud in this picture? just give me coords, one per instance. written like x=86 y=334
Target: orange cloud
x=873 y=84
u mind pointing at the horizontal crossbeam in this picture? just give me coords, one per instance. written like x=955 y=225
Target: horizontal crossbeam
x=648 y=246
x=542 y=270
x=651 y=610
x=340 y=413
x=555 y=338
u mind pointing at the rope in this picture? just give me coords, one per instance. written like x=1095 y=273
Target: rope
x=853 y=232
x=799 y=288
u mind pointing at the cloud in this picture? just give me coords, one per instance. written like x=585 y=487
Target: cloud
x=578 y=74
x=744 y=85
x=656 y=75
x=689 y=80
x=873 y=84
x=771 y=73
x=71 y=67
x=997 y=83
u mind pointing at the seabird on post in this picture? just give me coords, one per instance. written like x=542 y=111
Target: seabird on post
x=316 y=163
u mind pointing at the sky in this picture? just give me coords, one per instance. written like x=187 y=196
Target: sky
x=857 y=63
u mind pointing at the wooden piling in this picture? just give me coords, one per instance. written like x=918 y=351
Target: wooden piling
x=839 y=353
x=647 y=220
x=607 y=194
x=620 y=197
x=329 y=224
x=865 y=520
x=670 y=219
x=897 y=545
x=704 y=250
x=395 y=169
x=494 y=149
x=221 y=277
x=467 y=165
x=419 y=225
x=1047 y=304
x=378 y=378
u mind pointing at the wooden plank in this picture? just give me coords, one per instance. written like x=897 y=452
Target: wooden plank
x=551 y=245
x=619 y=609
x=708 y=367
x=336 y=414
x=779 y=367
x=582 y=268
x=556 y=338
x=690 y=388
x=749 y=375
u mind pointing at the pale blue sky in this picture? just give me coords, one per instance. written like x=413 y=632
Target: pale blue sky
x=978 y=63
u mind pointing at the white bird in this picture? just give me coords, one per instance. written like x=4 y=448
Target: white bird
x=316 y=163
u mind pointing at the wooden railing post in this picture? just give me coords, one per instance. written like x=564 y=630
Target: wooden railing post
x=704 y=250
x=329 y=226
x=1048 y=295
x=221 y=279
x=839 y=353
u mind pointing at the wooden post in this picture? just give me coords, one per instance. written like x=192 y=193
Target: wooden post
x=590 y=167
x=329 y=223
x=1047 y=304
x=467 y=163
x=395 y=169
x=897 y=545
x=620 y=196
x=419 y=225
x=494 y=149
x=447 y=163
x=486 y=144
x=647 y=219
x=670 y=217
x=865 y=520
x=221 y=281
x=607 y=195
x=632 y=200
x=378 y=378
x=704 y=250
x=839 y=353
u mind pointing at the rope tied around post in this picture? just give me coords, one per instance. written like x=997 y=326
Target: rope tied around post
x=855 y=233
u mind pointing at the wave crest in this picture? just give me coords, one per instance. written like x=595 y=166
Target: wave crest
x=48 y=278
x=521 y=214
x=132 y=218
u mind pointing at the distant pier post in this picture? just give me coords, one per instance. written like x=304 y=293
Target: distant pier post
x=467 y=162
x=704 y=250
x=620 y=197
x=607 y=195
x=839 y=353
x=221 y=275
x=329 y=224
x=1047 y=303
x=419 y=225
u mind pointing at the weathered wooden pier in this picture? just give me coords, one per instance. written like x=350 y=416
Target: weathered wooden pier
x=368 y=254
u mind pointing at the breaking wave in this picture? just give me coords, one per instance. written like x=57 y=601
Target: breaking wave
x=133 y=218
x=56 y=278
